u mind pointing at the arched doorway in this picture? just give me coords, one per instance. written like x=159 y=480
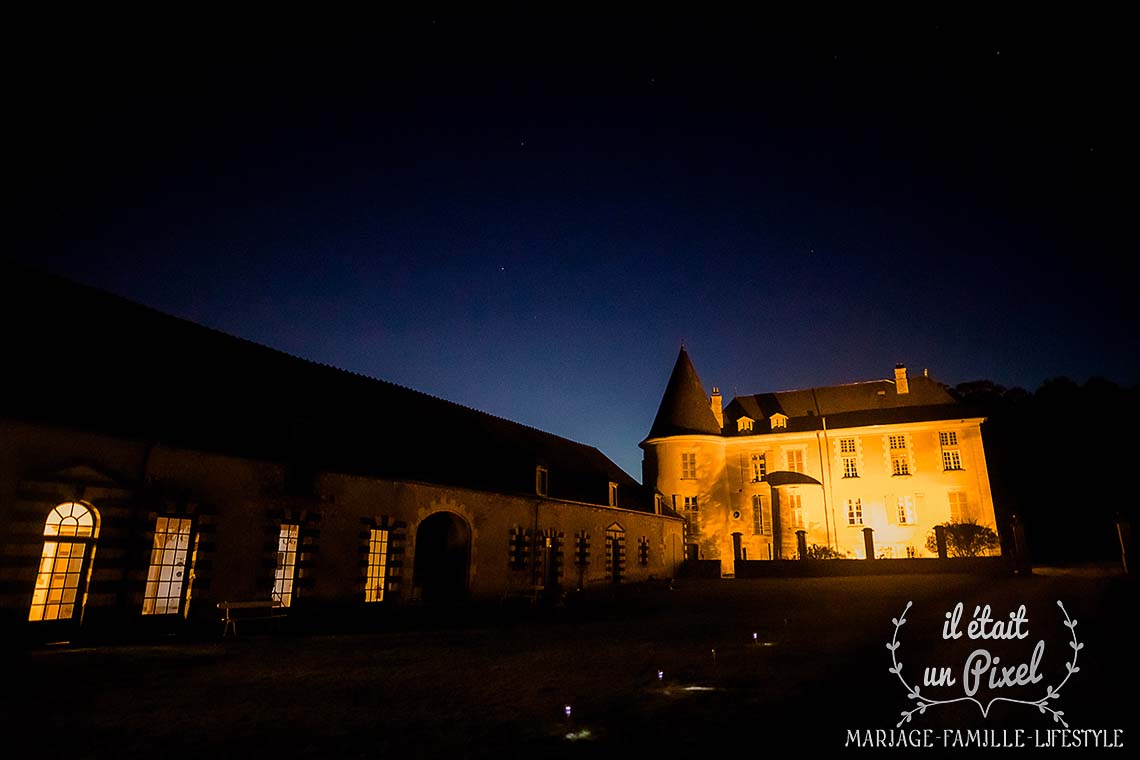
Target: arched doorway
x=443 y=553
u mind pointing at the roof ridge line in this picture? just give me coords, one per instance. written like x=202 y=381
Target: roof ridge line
x=280 y=352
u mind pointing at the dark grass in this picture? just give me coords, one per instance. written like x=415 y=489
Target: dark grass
x=493 y=682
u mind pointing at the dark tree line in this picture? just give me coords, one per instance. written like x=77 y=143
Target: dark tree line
x=1065 y=459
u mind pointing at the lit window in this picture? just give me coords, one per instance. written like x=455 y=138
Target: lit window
x=613 y=494
x=900 y=461
x=796 y=503
x=688 y=465
x=759 y=528
x=951 y=455
x=286 y=565
x=850 y=459
x=795 y=460
x=70 y=530
x=959 y=508
x=377 y=565
x=744 y=425
x=759 y=467
x=854 y=512
x=169 y=565
x=906 y=510
x=541 y=481
x=779 y=421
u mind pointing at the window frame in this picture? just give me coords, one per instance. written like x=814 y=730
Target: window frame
x=688 y=465
x=905 y=510
x=796 y=505
x=75 y=579
x=759 y=464
x=899 y=454
x=157 y=603
x=285 y=573
x=376 y=568
x=759 y=526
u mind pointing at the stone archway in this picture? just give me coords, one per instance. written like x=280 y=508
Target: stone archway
x=443 y=557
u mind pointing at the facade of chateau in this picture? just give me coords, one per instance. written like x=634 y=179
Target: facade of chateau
x=771 y=473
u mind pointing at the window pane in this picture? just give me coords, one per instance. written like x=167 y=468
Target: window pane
x=286 y=564
x=169 y=557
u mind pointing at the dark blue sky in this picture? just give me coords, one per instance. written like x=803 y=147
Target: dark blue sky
x=527 y=215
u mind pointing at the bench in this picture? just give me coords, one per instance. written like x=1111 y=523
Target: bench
x=268 y=609
x=531 y=595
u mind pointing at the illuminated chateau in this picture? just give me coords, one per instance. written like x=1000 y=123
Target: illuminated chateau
x=772 y=473
x=151 y=468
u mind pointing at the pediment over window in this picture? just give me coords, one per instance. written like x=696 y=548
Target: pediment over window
x=81 y=473
x=71 y=483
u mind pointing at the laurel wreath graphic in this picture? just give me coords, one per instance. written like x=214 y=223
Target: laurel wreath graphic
x=923 y=701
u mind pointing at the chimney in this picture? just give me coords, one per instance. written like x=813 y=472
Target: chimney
x=901 y=385
x=717 y=409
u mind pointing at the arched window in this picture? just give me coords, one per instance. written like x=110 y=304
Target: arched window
x=69 y=544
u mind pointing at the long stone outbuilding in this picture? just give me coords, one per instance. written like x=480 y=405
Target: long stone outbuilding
x=151 y=468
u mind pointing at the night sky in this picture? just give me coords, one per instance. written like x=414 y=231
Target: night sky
x=529 y=214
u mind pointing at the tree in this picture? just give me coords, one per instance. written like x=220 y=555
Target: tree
x=965 y=538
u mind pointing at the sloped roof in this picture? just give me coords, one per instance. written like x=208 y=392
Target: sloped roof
x=86 y=359
x=850 y=405
x=684 y=408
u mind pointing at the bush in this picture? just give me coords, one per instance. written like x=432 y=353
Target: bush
x=816 y=551
x=965 y=538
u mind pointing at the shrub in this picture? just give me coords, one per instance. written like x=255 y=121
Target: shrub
x=816 y=551
x=965 y=538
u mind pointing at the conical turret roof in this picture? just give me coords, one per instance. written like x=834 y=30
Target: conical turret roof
x=684 y=408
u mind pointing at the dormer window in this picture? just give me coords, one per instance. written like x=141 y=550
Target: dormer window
x=613 y=494
x=541 y=481
x=779 y=421
x=744 y=425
